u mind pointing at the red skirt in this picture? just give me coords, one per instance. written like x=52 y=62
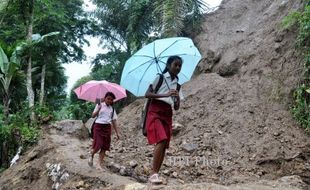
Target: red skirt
x=102 y=137
x=159 y=122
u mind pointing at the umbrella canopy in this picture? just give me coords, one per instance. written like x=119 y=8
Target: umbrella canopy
x=93 y=90
x=140 y=69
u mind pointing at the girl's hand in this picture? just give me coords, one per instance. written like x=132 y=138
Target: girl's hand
x=117 y=136
x=173 y=93
x=98 y=108
x=96 y=112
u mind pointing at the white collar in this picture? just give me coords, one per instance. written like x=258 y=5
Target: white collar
x=105 y=104
x=167 y=75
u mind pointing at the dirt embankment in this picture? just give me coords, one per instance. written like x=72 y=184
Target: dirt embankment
x=235 y=115
x=234 y=126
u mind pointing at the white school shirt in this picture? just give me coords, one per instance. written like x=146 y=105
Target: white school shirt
x=163 y=89
x=105 y=113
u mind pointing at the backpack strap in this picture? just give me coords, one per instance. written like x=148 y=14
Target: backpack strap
x=112 y=114
x=178 y=87
x=160 y=82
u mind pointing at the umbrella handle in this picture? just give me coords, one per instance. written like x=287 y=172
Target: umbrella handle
x=98 y=101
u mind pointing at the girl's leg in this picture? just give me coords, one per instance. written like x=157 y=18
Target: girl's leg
x=101 y=157
x=92 y=154
x=159 y=154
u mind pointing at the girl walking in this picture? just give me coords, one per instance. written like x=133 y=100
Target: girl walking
x=159 y=116
x=106 y=117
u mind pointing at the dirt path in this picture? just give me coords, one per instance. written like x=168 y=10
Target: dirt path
x=74 y=153
x=63 y=150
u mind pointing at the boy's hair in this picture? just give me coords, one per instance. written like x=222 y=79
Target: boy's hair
x=170 y=60
x=110 y=94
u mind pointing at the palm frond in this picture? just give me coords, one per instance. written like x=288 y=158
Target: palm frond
x=174 y=14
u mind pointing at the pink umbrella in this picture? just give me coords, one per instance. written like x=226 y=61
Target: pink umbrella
x=93 y=90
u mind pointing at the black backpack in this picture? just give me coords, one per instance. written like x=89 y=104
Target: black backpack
x=91 y=134
x=148 y=102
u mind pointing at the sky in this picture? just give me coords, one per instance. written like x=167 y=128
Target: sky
x=75 y=71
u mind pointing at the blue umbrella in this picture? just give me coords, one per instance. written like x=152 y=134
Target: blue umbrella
x=141 y=68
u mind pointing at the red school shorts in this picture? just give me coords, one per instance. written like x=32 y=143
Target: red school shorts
x=159 y=122
x=102 y=137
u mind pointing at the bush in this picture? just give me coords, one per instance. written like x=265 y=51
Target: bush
x=301 y=107
x=81 y=110
x=23 y=130
x=12 y=137
x=8 y=145
x=19 y=132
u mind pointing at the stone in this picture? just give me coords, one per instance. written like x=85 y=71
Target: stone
x=276 y=134
x=56 y=186
x=111 y=155
x=176 y=128
x=82 y=156
x=114 y=167
x=166 y=172
x=80 y=184
x=69 y=126
x=122 y=170
x=189 y=147
x=212 y=58
x=175 y=174
x=64 y=177
x=133 y=163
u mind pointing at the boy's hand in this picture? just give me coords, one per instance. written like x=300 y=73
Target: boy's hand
x=117 y=136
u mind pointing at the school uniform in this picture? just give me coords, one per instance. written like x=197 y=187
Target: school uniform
x=102 y=127
x=159 y=116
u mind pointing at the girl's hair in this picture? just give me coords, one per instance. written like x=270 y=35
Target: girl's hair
x=110 y=94
x=170 y=60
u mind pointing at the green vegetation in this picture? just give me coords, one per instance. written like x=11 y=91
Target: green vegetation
x=301 y=107
x=80 y=109
x=36 y=38
x=19 y=132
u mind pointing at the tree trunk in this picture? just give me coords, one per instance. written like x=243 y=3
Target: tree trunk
x=6 y=104
x=42 y=91
x=30 y=91
x=1 y=154
x=5 y=155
